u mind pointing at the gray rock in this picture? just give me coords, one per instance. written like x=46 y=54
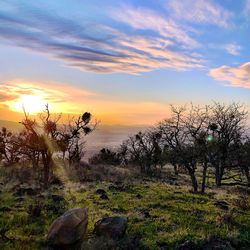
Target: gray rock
x=111 y=227
x=69 y=229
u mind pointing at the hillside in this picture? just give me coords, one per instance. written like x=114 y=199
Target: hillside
x=161 y=214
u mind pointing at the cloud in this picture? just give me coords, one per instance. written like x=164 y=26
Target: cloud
x=235 y=76
x=233 y=48
x=246 y=10
x=97 y=47
x=146 y=19
x=199 y=11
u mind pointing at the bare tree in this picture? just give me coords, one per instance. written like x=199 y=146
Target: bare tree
x=144 y=149
x=175 y=135
x=43 y=141
x=227 y=123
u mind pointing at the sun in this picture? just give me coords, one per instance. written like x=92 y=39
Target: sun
x=31 y=103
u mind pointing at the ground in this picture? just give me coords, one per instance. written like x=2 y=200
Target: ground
x=162 y=214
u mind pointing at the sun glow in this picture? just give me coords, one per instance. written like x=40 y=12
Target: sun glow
x=31 y=104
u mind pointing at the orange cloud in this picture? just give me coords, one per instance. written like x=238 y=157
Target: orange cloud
x=236 y=76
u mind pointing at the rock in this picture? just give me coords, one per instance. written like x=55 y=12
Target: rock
x=104 y=197
x=111 y=227
x=139 y=196
x=100 y=191
x=215 y=242
x=222 y=204
x=143 y=213
x=57 y=198
x=69 y=229
x=187 y=245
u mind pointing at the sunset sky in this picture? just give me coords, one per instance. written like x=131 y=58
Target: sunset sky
x=124 y=61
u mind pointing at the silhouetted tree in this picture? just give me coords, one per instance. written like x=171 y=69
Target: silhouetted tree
x=227 y=123
x=144 y=150
x=43 y=141
x=106 y=156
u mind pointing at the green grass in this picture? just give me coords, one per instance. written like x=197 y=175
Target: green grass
x=175 y=215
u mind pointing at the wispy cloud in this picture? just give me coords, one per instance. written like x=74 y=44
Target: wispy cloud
x=246 y=10
x=146 y=19
x=98 y=47
x=235 y=76
x=200 y=11
x=232 y=48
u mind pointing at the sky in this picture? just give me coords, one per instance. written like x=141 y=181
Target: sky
x=123 y=61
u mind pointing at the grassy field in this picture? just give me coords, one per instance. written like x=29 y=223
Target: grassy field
x=161 y=215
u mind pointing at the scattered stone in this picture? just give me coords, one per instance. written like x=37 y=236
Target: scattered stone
x=139 y=196
x=57 y=198
x=144 y=213
x=69 y=229
x=215 y=242
x=100 y=191
x=187 y=245
x=222 y=204
x=111 y=227
x=104 y=197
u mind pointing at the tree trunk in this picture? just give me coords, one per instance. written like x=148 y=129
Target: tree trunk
x=246 y=170
x=218 y=175
x=204 y=177
x=175 y=169
x=193 y=178
x=46 y=168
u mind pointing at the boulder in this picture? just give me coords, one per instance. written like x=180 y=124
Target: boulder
x=69 y=229
x=111 y=227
